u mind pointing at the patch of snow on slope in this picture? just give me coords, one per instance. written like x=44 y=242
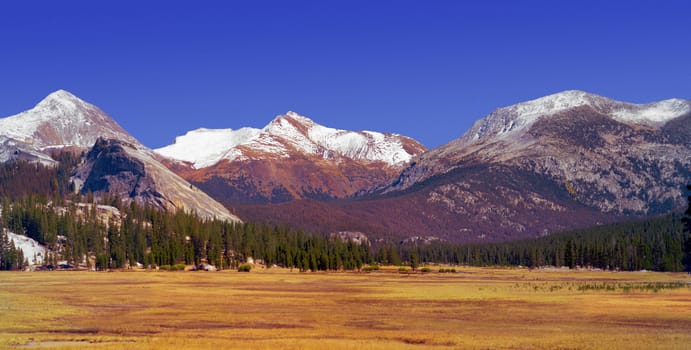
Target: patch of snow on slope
x=11 y=149
x=286 y=127
x=509 y=120
x=206 y=147
x=365 y=145
x=658 y=112
x=526 y=113
x=32 y=250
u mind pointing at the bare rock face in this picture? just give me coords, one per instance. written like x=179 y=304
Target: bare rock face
x=133 y=173
x=108 y=168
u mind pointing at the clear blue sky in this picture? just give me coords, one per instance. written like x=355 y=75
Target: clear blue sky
x=426 y=69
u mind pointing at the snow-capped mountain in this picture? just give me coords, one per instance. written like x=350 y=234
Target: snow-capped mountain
x=508 y=121
x=560 y=161
x=291 y=157
x=574 y=120
x=61 y=119
x=283 y=137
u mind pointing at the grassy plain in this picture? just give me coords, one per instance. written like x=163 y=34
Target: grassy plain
x=279 y=309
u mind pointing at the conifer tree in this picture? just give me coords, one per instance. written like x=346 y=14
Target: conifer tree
x=687 y=231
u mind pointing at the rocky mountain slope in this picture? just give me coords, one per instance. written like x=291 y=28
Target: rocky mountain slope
x=133 y=173
x=290 y=158
x=115 y=162
x=616 y=157
x=613 y=157
x=568 y=160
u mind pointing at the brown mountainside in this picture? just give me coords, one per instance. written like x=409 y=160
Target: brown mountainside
x=567 y=160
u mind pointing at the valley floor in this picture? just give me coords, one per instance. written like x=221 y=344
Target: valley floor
x=279 y=309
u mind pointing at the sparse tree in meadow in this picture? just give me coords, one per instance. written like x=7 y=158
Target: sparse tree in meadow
x=414 y=260
x=687 y=232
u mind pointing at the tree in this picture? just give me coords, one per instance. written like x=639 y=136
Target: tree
x=687 y=232
x=414 y=260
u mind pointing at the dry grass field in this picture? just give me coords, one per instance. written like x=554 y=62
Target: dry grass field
x=278 y=309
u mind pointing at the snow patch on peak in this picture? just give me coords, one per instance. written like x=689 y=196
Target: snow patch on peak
x=60 y=95
x=62 y=119
x=294 y=128
x=205 y=147
x=288 y=118
x=526 y=113
x=63 y=103
x=509 y=120
x=295 y=115
x=656 y=113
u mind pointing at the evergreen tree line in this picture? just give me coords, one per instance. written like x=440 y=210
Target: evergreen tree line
x=687 y=230
x=11 y=258
x=156 y=238
x=20 y=179
x=152 y=237
x=659 y=244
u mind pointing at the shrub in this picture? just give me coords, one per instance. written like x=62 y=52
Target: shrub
x=370 y=268
x=244 y=268
x=164 y=267
x=425 y=269
x=178 y=267
x=403 y=269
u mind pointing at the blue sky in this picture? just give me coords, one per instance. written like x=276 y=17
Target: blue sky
x=425 y=69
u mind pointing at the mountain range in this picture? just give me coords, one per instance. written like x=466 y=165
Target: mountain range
x=572 y=159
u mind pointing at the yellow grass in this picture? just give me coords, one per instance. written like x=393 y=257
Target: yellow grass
x=279 y=309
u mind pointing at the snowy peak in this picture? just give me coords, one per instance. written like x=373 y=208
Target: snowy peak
x=62 y=119
x=61 y=99
x=311 y=138
x=206 y=147
x=509 y=120
x=289 y=135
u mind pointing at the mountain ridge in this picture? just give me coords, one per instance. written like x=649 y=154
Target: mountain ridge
x=575 y=160
x=292 y=157
x=507 y=129
x=515 y=117
x=284 y=135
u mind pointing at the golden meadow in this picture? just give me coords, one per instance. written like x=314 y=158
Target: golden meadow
x=473 y=308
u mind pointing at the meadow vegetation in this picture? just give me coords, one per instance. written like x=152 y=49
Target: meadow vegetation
x=473 y=308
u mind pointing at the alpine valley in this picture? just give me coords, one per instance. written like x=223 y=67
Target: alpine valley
x=568 y=160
